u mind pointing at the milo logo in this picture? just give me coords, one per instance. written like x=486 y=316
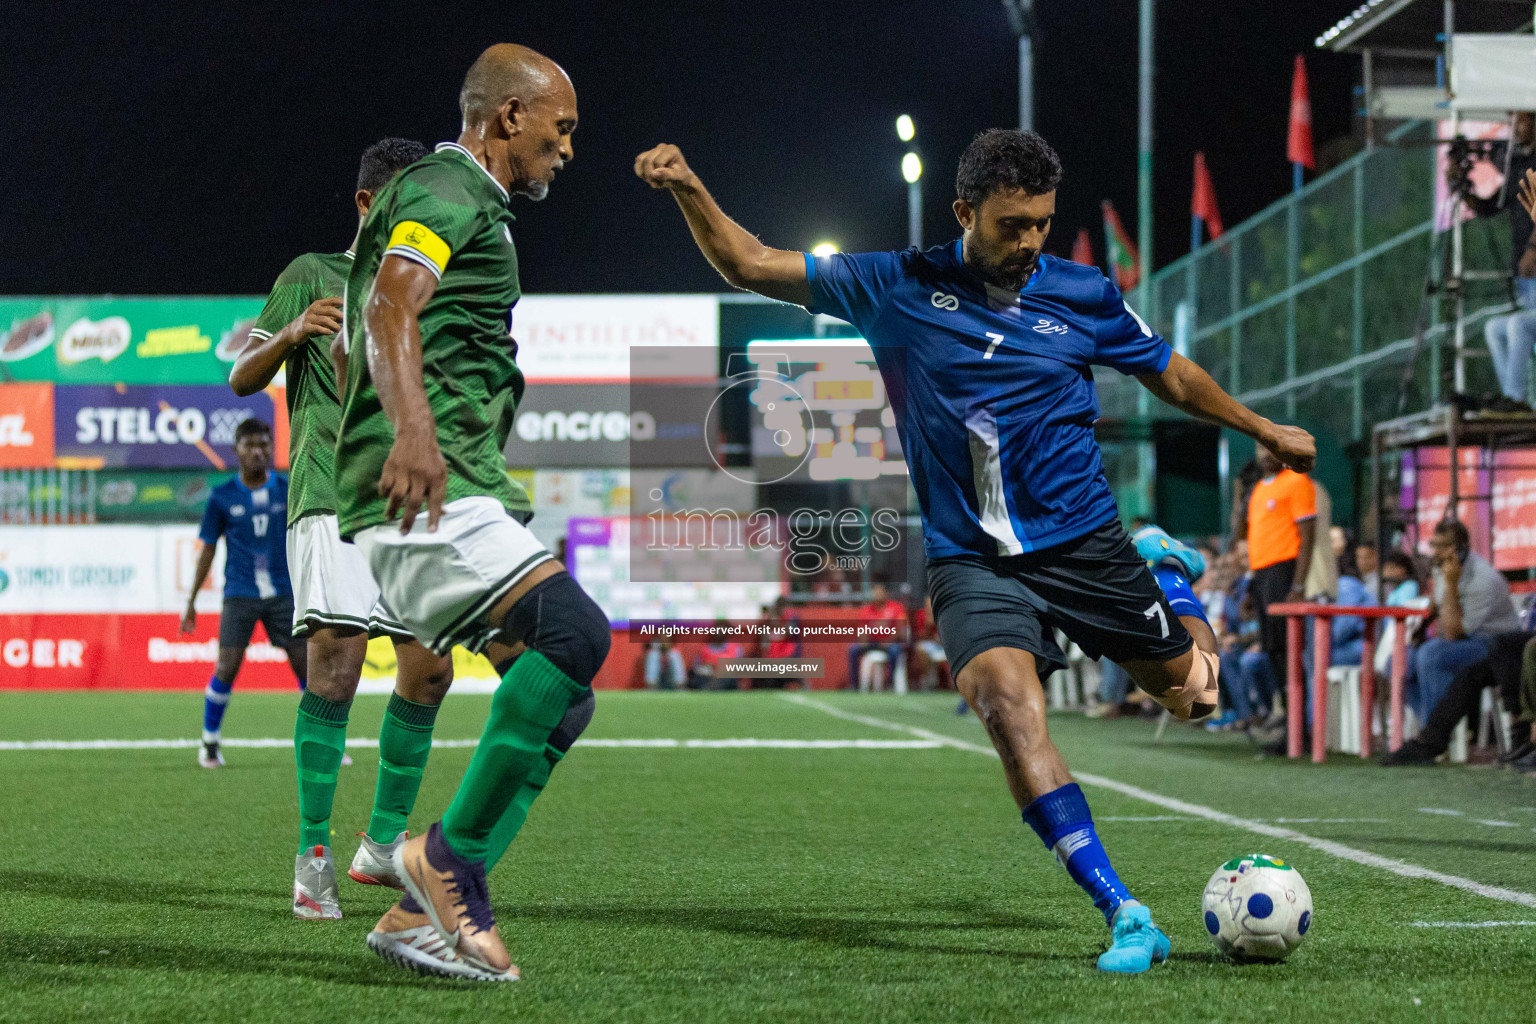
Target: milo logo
x=104 y=339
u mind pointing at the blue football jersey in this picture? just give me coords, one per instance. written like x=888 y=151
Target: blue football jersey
x=992 y=390
x=254 y=525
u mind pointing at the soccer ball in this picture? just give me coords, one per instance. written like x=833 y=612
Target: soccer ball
x=1257 y=909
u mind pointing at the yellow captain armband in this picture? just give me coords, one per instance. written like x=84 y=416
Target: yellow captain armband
x=413 y=239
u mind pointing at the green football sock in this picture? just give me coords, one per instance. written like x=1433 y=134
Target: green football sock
x=517 y=812
x=319 y=739
x=529 y=703
x=405 y=740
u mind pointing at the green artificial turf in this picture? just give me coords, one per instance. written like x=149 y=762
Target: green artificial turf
x=687 y=884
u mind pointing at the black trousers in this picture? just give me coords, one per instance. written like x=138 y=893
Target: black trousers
x=1271 y=585
x=1501 y=668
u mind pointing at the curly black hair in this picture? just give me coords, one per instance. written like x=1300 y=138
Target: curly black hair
x=384 y=159
x=1006 y=159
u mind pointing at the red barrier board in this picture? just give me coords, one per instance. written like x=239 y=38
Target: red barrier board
x=125 y=652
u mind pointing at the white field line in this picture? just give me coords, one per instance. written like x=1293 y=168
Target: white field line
x=362 y=741
x=1280 y=821
x=1473 y=924
x=1349 y=853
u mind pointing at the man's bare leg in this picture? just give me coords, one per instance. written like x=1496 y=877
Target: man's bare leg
x=1003 y=686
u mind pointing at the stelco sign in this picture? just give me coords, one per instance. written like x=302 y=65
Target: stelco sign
x=166 y=426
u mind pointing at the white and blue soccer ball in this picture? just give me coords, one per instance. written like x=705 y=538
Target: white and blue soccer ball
x=1257 y=909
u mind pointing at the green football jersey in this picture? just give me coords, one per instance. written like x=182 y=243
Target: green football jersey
x=447 y=213
x=314 y=406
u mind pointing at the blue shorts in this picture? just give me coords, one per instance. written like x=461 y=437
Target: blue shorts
x=1180 y=597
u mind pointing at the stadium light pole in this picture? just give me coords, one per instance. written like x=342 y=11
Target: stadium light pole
x=912 y=170
x=1144 y=158
x=1021 y=17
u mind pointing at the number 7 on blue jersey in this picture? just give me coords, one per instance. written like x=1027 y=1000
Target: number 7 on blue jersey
x=997 y=339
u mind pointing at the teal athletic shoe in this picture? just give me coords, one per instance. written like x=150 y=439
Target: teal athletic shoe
x=1154 y=545
x=1138 y=943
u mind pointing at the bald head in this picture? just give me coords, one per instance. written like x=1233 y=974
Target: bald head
x=508 y=71
x=519 y=112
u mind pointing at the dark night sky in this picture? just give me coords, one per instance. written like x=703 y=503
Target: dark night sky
x=170 y=149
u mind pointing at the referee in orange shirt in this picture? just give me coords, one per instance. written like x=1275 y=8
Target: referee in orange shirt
x=1282 y=522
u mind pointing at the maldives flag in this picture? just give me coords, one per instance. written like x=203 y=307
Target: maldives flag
x=1298 y=142
x=1122 y=257
x=1082 y=249
x=1203 y=203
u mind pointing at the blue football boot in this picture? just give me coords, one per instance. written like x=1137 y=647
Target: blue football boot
x=1138 y=943
x=1154 y=545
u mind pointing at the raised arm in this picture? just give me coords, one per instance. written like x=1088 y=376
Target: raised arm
x=414 y=473
x=1190 y=389
x=734 y=251
x=258 y=362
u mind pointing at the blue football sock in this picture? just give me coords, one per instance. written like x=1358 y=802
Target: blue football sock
x=303 y=684
x=215 y=700
x=1062 y=821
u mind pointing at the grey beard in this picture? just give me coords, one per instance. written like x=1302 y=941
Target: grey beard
x=536 y=190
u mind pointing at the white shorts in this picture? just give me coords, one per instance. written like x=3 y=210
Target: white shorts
x=440 y=585
x=331 y=582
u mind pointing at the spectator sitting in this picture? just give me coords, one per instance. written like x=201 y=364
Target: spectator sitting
x=1471 y=606
x=1502 y=668
x=1349 y=630
x=1400 y=579
x=1370 y=569
x=927 y=651
x=1522 y=755
x=1510 y=337
x=882 y=608
x=664 y=669
x=1245 y=667
x=705 y=674
x=778 y=642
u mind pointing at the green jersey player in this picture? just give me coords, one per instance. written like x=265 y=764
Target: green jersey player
x=432 y=384
x=336 y=601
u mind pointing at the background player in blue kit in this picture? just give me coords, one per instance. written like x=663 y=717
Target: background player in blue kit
x=251 y=513
x=986 y=349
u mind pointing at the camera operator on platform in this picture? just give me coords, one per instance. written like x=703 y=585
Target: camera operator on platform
x=1510 y=338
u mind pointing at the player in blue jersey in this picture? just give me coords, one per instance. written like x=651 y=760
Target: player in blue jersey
x=986 y=348
x=251 y=513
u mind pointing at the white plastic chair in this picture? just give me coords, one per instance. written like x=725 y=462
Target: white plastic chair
x=870 y=663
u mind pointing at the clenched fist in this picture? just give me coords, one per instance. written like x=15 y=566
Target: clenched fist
x=664 y=167
x=1294 y=447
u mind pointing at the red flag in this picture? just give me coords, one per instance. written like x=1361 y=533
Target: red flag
x=1298 y=142
x=1203 y=203
x=1082 y=249
x=1123 y=258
